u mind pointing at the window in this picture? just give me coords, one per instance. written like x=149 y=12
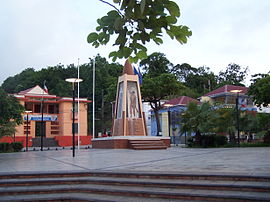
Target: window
x=37 y=108
x=75 y=127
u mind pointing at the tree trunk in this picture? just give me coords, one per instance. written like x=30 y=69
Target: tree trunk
x=198 y=137
x=157 y=121
x=232 y=137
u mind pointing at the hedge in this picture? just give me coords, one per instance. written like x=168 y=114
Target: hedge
x=11 y=147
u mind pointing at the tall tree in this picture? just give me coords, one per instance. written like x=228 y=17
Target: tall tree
x=225 y=123
x=234 y=75
x=10 y=113
x=260 y=91
x=156 y=64
x=183 y=71
x=136 y=22
x=155 y=89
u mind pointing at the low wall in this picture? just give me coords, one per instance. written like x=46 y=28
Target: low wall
x=22 y=139
x=64 y=141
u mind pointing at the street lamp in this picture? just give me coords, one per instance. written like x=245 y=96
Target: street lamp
x=27 y=122
x=237 y=114
x=73 y=81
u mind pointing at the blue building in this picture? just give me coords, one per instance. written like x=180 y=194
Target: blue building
x=170 y=117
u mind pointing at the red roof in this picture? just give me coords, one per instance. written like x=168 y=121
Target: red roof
x=227 y=89
x=182 y=100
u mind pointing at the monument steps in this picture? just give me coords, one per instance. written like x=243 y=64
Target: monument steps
x=146 y=144
x=132 y=186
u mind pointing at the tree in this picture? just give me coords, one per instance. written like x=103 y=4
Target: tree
x=225 y=122
x=234 y=75
x=198 y=119
x=136 y=22
x=155 y=89
x=201 y=80
x=260 y=91
x=156 y=64
x=183 y=71
x=10 y=113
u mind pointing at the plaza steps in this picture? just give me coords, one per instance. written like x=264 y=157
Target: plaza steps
x=146 y=144
x=47 y=142
x=132 y=186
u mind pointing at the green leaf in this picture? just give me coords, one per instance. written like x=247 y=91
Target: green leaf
x=126 y=52
x=171 y=34
x=139 y=46
x=140 y=25
x=92 y=37
x=113 y=54
x=142 y=5
x=118 y=24
x=121 y=39
x=173 y=8
x=113 y=14
x=171 y=19
x=158 y=41
x=141 y=54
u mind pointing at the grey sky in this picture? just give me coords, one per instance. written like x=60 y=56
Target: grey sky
x=41 y=33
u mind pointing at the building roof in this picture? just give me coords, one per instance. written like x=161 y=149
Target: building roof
x=37 y=90
x=31 y=94
x=182 y=100
x=227 y=89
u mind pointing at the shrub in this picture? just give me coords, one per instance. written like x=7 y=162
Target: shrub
x=221 y=140
x=266 y=138
x=17 y=146
x=208 y=140
x=5 y=147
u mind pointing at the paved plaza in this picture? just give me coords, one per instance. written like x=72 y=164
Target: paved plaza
x=242 y=161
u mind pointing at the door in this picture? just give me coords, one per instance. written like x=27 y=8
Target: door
x=39 y=129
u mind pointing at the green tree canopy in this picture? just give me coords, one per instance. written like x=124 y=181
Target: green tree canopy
x=198 y=119
x=234 y=75
x=260 y=90
x=135 y=23
x=156 y=64
x=10 y=113
x=155 y=89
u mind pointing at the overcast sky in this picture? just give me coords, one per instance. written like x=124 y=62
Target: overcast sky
x=41 y=33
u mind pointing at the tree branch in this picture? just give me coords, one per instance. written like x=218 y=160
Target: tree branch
x=112 y=6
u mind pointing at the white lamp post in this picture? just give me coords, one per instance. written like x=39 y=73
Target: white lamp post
x=73 y=81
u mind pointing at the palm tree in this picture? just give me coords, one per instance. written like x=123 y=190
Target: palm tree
x=225 y=123
x=198 y=119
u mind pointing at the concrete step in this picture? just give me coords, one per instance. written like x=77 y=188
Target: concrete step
x=147 y=144
x=137 y=191
x=150 y=147
x=165 y=183
x=132 y=174
x=82 y=197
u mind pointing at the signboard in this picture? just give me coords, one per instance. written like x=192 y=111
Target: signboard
x=39 y=118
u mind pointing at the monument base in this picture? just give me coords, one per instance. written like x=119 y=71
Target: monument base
x=131 y=142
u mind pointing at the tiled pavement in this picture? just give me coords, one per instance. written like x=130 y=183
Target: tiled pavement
x=242 y=161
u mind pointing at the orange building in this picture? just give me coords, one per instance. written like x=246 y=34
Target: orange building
x=57 y=119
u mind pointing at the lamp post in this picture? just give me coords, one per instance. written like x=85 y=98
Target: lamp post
x=27 y=122
x=73 y=81
x=237 y=114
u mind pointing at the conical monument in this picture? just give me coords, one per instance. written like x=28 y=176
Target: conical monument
x=128 y=117
x=129 y=126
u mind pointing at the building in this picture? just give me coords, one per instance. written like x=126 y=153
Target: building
x=225 y=96
x=57 y=118
x=169 y=117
